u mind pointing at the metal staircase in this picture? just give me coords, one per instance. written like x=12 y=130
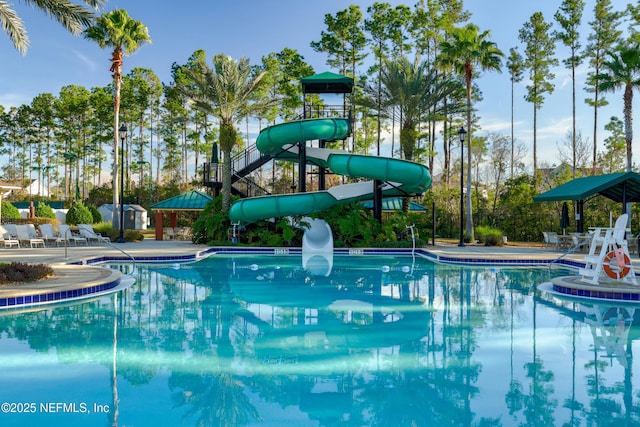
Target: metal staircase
x=251 y=159
x=242 y=164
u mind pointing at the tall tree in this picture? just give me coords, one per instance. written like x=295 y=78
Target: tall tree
x=71 y=16
x=72 y=109
x=605 y=34
x=613 y=158
x=225 y=91
x=378 y=26
x=416 y=90
x=539 y=58
x=515 y=65
x=622 y=71
x=116 y=30
x=569 y=17
x=343 y=41
x=469 y=50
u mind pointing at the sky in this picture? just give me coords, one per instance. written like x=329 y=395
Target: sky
x=254 y=28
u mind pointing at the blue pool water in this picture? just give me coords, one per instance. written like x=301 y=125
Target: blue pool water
x=354 y=341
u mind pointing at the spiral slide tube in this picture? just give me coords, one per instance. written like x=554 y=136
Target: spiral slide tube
x=400 y=177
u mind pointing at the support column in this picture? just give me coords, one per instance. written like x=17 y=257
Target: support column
x=377 y=200
x=302 y=167
x=322 y=171
x=159 y=225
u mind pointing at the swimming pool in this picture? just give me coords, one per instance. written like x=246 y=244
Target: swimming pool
x=356 y=340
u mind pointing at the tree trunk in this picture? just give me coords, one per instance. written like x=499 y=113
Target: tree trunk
x=116 y=70
x=227 y=141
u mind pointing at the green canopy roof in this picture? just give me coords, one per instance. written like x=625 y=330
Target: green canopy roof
x=327 y=82
x=193 y=200
x=620 y=187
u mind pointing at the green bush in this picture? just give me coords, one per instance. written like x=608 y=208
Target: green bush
x=489 y=236
x=103 y=228
x=9 y=211
x=128 y=235
x=44 y=211
x=95 y=213
x=79 y=214
x=213 y=224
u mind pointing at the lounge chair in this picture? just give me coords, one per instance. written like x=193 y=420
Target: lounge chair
x=24 y=236
x=91 y=235
x=7 y=239
x=49 y=235
x=67 y=234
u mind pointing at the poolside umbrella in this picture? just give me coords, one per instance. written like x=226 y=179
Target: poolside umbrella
x=214 y=153
x=564 y=218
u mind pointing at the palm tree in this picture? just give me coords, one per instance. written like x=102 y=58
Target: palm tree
x=417 y=90
x=224 y=91
x=116 y=30
x=464 y=49
x=623 y=71
x=72 y=16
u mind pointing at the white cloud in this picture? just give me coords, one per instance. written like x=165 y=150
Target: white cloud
x=84 y=59
x=12 y=99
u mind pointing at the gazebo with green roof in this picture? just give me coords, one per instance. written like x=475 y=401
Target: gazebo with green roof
x=193 y=200
x=621 y=187
x=327 y=82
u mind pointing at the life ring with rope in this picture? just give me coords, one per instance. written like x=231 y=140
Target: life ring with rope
x=620 y=268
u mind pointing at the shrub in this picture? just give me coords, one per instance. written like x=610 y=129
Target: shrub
x=79 y=214
x=95 y=213
x=9 y=211
x=213 y=223
x=489 y=236
x=103 y=228
x=128 y=235
x=44 y=211
x=18 y=272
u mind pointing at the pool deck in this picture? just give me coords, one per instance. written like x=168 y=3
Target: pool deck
x=70 y=277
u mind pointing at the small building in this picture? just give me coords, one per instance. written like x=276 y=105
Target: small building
x=135 y=216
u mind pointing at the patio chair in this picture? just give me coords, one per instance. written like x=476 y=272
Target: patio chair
x=24 y=236
x=87 y=231
x=182 y=233
x=7 y=239
x=49 y=235
x=67 y=234
x=170 y=234
x=551 y=238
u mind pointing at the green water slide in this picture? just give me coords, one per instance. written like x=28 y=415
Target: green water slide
x=400 y=177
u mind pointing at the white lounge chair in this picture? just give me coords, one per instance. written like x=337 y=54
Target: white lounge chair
x=24 y=236
x=90 y=234
x=67 y=234
x=49 y=235
x=7 y=239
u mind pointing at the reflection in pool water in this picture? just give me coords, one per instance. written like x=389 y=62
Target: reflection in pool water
x=379 y=340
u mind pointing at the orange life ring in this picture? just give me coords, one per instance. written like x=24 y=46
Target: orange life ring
x=621 y=268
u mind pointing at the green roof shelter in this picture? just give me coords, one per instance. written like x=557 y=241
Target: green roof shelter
x=621 y=187
x=327 y=82
x=193 y=200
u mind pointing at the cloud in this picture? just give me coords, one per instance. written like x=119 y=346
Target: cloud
x=89 y=63
x=10 y=99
